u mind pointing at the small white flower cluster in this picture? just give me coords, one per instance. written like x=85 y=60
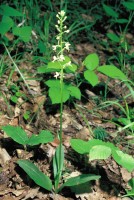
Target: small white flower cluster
x=58 y=75
x=61 y=45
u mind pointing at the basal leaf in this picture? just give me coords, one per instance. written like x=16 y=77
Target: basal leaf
x=129 y=5
x=74 y=92
x=113 y=37
x=56 y=165
x=83 y=178
x=23 y=32
x=16 y=133
x=6 y=24
x=43 y=138
x=99 y=152
x=9 y=11
x=124 y=160
x=71 y=68
x=109 y=11
x=91 y=77
x=35 y=174
x=112 y=71
x=91 y=61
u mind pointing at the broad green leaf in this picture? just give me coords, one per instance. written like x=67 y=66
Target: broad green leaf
x=23 y=32
x=9 y=11
x=112 y=71
x=35 y=174
x=54 y=65
x=55 y=95
x=91 y=77
x=44 y=69
x=74 y=92
x=80 y=146
x=16 y=133
x=43 y=138
x=124 y=160
x=5 y=24
x=53 y=83
x=84 y=147
x=109 y=11
x=121 y=21
x=100 y=152
x=83 y=178
x=129 y=5
x=71 y=68
x=91 y=61
x=113 y=37
x=14 y=99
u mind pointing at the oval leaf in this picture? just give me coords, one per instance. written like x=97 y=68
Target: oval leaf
x=91 y=77
x=124 y=160
x=5 y=24
x=109 y=11
x=99 y=152
x=43 y=138
x=129 y=5
x=23 y=32
x=112 y=71
x=35 y=174
x=55 y=95
x=9 y=11
x=83 y=178
x=74 y=92
x=17 y=134
x=113 y=37
x=91 y=61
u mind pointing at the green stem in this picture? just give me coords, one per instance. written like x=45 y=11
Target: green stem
x=61 y=111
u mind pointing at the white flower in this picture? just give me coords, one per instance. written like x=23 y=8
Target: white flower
x=67 y=31
x=61 y=58
x=54 y=47
x=57 y=37
x=62 y=13
x=57 y=74
x=67 y=64
x=55 y=58
x=67 y=44
x=57 y=16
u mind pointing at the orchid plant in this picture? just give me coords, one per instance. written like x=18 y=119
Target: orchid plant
x=59 y=92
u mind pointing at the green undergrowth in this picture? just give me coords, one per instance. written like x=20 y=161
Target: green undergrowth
x=48 y=40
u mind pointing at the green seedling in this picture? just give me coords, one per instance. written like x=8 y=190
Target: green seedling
x=100 y=133
x=15 y=93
